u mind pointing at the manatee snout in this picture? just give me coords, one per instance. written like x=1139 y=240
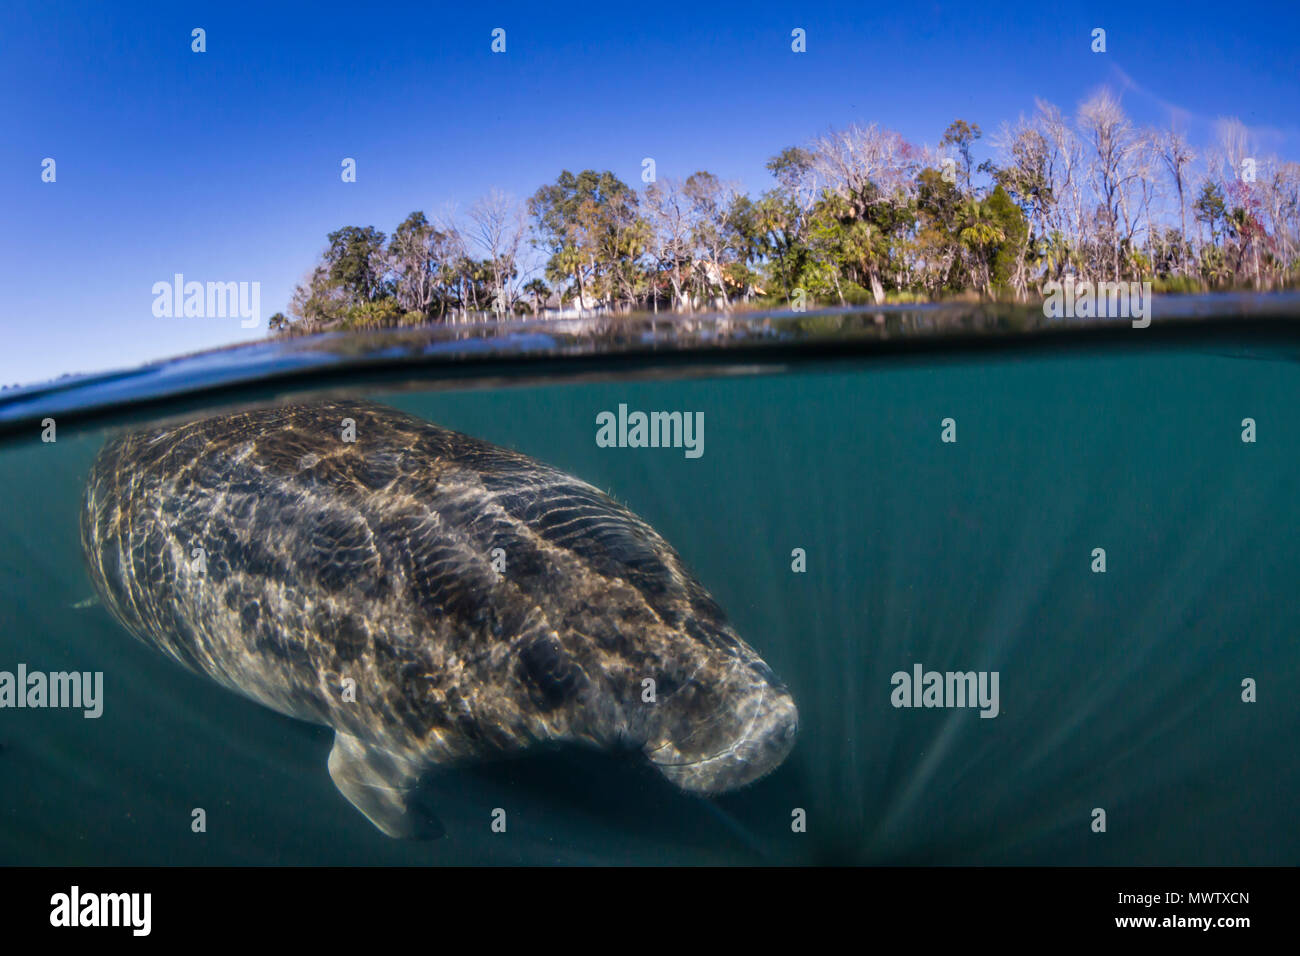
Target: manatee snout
x=748 y=735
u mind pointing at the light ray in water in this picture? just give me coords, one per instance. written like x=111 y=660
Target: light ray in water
x=1119 y=690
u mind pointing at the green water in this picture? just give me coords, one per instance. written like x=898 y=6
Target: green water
x=1119 y=690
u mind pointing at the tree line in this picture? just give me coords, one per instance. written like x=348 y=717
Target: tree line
x=855 y=216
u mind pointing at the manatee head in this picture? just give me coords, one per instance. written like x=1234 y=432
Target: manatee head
x=696 y=700
x=646 y=659
x=714 y=737
x=720 y=718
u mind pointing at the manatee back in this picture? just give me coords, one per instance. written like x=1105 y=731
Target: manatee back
x=263 y=550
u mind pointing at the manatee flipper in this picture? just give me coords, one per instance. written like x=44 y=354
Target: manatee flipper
x=383 y=787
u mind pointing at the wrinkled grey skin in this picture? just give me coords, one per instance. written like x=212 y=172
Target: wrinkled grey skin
x=325 y=562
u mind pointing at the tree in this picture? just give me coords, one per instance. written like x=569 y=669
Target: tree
x=1177 y=157
x=538 y=292
x=853 y=212
x=962 y=135
x=784 y=231
x=355 y=259
x=936 y=243
x=795 y=169
x=499 y=231
x=617 y=237
x=1008 y=256
x=669 y=218
x=1280 y=190
x=416 y=253
x=874 y=171
x=580 y=220
x=747 y=240
x=709 y=198
x=1114 y=144
x=1064 y=169
x=1211 y=209
x=865 y=166
x=319 y=302
x=834 y=245
x=981 y=233
x=1027 y=176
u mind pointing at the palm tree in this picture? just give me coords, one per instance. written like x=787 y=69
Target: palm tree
x=538 y=292
x=1055 y=252
x=980 y=233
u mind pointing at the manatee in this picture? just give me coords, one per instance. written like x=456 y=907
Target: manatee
x=268 y=552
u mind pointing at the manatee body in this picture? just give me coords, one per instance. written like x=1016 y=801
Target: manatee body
x=288 y=564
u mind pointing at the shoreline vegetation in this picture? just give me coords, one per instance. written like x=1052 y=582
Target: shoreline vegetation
x=855 y=217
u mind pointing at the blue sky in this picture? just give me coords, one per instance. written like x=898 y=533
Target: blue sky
x=224 y=166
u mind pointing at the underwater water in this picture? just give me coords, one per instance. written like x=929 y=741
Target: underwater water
x=1120 y=690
